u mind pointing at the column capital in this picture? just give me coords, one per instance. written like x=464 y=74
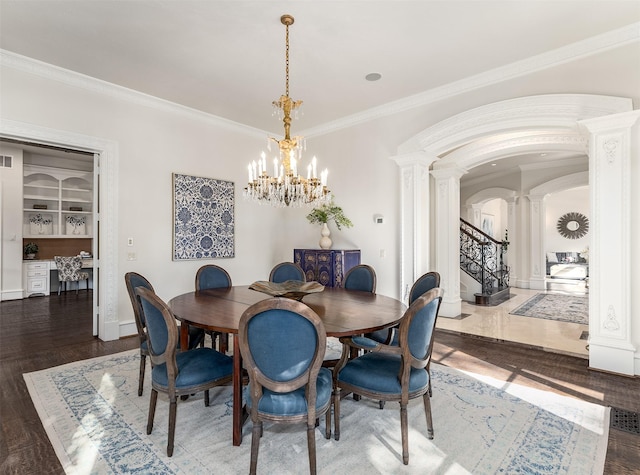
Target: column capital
x=414 y=158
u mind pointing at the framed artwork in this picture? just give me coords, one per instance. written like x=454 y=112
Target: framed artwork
x=487 y=224
x=203 y=218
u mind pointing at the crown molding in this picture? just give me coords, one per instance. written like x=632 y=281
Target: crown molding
x=71 y=78
x=581 y=49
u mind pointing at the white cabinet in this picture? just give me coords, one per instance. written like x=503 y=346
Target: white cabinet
x=36 y=277
x=58 y=203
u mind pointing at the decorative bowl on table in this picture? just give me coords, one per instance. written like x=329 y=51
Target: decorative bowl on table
x=291 y=289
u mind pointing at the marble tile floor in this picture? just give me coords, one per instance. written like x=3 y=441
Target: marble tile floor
x=497 y=323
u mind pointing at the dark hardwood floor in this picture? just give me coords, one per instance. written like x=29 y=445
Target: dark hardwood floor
x=42 y=332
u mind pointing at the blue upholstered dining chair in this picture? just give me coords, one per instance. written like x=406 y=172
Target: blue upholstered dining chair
x=211 y=276
x=286 y=271
x=360 y=277
x=177 y=373
x=283 y=343
x=70 y=270
x=425 y=282
x=393 y=373
x=133 y=280
x=363 y=278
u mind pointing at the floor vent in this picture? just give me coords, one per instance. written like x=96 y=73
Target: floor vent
x=625 y=420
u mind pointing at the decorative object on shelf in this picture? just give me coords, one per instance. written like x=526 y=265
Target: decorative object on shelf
x=39 y=206
x=203 y=218
x=286 y=187
x=573 y=225
x=291 y=289
x=75 y=208
x=76 y=225
x=30 y=250
x=40 y=224
x=325 y=213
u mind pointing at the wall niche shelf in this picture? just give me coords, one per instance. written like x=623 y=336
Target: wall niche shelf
x=58 y=203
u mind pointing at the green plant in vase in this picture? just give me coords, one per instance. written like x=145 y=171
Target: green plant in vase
x=325 y=213
x=30 y=250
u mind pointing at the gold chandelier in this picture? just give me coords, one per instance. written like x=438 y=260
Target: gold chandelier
x=286 y=187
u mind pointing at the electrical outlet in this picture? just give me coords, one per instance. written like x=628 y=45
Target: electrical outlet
x=130 y=241
x=131 y=256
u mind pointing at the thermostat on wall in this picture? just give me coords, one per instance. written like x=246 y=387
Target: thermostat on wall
x=378 y=218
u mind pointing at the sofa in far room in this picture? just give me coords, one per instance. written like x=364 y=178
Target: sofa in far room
x=567 y=265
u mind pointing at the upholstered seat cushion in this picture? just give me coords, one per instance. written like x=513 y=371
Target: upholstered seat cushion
x=294 y=403
x=195 y=367
x=379 y=373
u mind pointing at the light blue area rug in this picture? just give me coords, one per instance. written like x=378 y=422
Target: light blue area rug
x=97 y=425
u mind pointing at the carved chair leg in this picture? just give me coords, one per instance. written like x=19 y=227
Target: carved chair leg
x=255 y=445
x=427 y=410
x=152 y=410
x=311 y=443
x=327 y=422
x=143 y=363
x=173 y=407
x=381 y=404
x=336 y=413
x=206 y=398
x=405 y=433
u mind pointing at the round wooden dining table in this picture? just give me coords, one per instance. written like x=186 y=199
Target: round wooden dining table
x=343 y=312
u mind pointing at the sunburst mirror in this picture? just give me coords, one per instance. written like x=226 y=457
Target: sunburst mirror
x=573 y=225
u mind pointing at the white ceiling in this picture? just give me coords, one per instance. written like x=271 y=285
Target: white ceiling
x=226 y=58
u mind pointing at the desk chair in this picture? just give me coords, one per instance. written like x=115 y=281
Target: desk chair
x=286 y=271
x=393 y=373
x=177 y=373
x=211 y=276
x=283 y=343
x=70 y=270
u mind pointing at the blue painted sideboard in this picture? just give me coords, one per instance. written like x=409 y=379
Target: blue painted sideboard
x=327 y=266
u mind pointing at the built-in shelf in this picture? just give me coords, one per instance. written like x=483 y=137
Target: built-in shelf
x=67 y=196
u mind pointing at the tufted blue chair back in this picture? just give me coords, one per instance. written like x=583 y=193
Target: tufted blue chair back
x=212 y=277
x=297 y=344
x=157 y=326
x=421 y=329
x=426 y=282
x=133 y=280
x=286 y=271
x=361 y=277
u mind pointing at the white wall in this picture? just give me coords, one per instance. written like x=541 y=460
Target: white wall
x=11 y=228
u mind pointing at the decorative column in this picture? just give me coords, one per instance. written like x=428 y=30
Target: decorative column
x=514 y=239
x=614 y=305
x=447 y=235
x=537 y=215
x=414 y=218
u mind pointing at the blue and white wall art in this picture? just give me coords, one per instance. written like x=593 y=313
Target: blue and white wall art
x=203 y=218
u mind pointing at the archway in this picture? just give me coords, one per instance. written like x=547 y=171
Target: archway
x=450 y=148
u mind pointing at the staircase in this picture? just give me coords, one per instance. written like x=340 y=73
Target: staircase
x=482 y=258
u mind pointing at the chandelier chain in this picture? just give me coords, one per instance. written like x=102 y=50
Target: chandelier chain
x=287 y=61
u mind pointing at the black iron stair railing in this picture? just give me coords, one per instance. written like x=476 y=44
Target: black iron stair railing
x=482 y=257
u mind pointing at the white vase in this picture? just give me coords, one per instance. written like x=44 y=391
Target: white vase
x=325 y=240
